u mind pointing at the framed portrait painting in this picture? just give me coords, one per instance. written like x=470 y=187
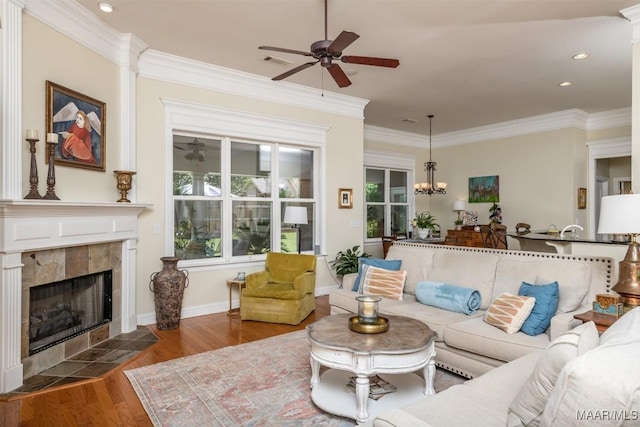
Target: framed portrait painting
x=79 y=121
x=345 y=198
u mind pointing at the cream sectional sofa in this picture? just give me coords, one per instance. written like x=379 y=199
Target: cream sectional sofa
x=465 y=344
x=579 y=380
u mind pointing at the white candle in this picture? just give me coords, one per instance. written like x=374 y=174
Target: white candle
x=32 y=134
x=52 y=137
x=368 y=308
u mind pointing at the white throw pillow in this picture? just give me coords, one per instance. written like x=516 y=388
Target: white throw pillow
x=527 y=407
x=508 y=312
x=383 y=282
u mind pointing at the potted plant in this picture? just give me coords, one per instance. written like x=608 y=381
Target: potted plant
x=347 y=261
x=458 y=223
x=425 y=223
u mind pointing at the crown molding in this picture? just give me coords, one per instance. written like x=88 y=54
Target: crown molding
x=573 y=118
x=87 y=29
x=162 y=66
x=633 y=15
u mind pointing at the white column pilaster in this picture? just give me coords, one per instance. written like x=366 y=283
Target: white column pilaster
x=10 y=318
x=633 y=15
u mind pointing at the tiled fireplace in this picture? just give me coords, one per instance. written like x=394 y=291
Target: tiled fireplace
x=51 y=241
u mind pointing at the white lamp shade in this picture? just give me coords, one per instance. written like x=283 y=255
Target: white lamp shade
x=620 y=214
x=295 y=215
x=459 y=205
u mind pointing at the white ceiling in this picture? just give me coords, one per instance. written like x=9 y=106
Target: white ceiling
x=470 y=63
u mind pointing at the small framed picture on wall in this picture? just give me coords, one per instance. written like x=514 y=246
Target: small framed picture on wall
x=582 y=198
x=345 y=198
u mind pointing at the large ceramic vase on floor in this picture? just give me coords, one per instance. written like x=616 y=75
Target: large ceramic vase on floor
x=168 y=288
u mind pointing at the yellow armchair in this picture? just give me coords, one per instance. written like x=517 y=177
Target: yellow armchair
x=283 y=293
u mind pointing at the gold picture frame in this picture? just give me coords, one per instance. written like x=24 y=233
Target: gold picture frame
x=582 y=198
x=345 y=198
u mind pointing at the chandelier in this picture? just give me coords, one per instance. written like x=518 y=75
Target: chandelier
x=430 y=186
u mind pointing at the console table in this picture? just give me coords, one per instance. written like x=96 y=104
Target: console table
x=468 y=237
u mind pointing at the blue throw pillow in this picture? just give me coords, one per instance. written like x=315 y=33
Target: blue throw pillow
x=545 y=307
x=388 y=264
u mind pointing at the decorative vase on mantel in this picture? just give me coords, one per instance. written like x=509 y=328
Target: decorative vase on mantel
x=124 y=179
x=423 y=233
x=168 y=288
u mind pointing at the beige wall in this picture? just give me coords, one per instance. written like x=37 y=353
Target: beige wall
x=208 y=285
x=48 y=55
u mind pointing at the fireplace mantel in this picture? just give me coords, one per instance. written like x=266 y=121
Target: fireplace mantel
x=31 y=225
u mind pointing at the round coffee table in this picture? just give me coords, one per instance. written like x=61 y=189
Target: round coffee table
x=408 y=346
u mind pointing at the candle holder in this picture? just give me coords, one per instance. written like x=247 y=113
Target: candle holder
x=51 y=175
x=368 y=321
x=33 y=172
x=124 y=179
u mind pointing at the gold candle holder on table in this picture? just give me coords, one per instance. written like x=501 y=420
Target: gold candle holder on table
x=368 y=321
x=124 y=179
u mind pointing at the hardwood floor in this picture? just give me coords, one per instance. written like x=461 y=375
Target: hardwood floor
x=111 y=401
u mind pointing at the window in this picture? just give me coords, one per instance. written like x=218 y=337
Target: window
x=229 y=193
x=388 y=200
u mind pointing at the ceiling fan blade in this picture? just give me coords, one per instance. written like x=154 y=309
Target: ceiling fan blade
x=338 y=75
x=282 y=49
x=342 y=41
x=294 y=70
x=367 y=60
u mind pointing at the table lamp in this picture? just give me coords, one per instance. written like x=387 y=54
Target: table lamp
x=295 y=215
x=620 y=214
x=459 y=206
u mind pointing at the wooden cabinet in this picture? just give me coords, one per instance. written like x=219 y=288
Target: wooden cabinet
x=468 y=237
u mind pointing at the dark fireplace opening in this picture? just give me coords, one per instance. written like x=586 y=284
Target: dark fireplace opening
x=62 y=310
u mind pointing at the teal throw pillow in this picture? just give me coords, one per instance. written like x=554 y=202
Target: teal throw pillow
x=547 y=297
x=388 y=264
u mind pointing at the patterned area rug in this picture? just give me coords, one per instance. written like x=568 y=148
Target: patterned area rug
x=262 y=383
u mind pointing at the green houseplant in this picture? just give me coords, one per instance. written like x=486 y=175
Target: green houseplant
x=347 y=261
x=425 y=223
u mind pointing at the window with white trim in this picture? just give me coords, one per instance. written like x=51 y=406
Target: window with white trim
x=388 y=195
x=229 y=193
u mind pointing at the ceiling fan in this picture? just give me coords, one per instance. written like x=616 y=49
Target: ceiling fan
x=196 y=148
x=326 y=51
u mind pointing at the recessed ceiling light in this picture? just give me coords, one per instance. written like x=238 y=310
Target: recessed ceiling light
x=565 y=84
x=580 y=56
x=105 y=7
x=407 y=120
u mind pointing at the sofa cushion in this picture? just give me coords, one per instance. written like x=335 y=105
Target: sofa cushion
x=625 y=328
x=508 y=312
x=458 y=268
x=381 y=263
x=573 y=279
x=477 y=336
x=600 y=386
x=543 y=310
x=383 y=282
x=529 y=403
x=417 y=260
x=481 y=402
x=436 y=318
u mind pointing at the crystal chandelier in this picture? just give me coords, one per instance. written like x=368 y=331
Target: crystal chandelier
x=430 y=186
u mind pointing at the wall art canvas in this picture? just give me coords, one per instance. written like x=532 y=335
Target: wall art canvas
x=484 y=189
x=80 y=123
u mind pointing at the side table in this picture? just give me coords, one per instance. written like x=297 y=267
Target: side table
x=602 y=321
x=235 y=312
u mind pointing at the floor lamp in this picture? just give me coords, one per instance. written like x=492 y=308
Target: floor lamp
x=296 y=215
x=619 y=215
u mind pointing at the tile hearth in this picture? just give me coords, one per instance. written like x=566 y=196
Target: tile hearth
x=91 y=363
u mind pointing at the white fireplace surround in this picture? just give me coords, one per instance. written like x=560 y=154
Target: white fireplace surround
x=30 y=225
